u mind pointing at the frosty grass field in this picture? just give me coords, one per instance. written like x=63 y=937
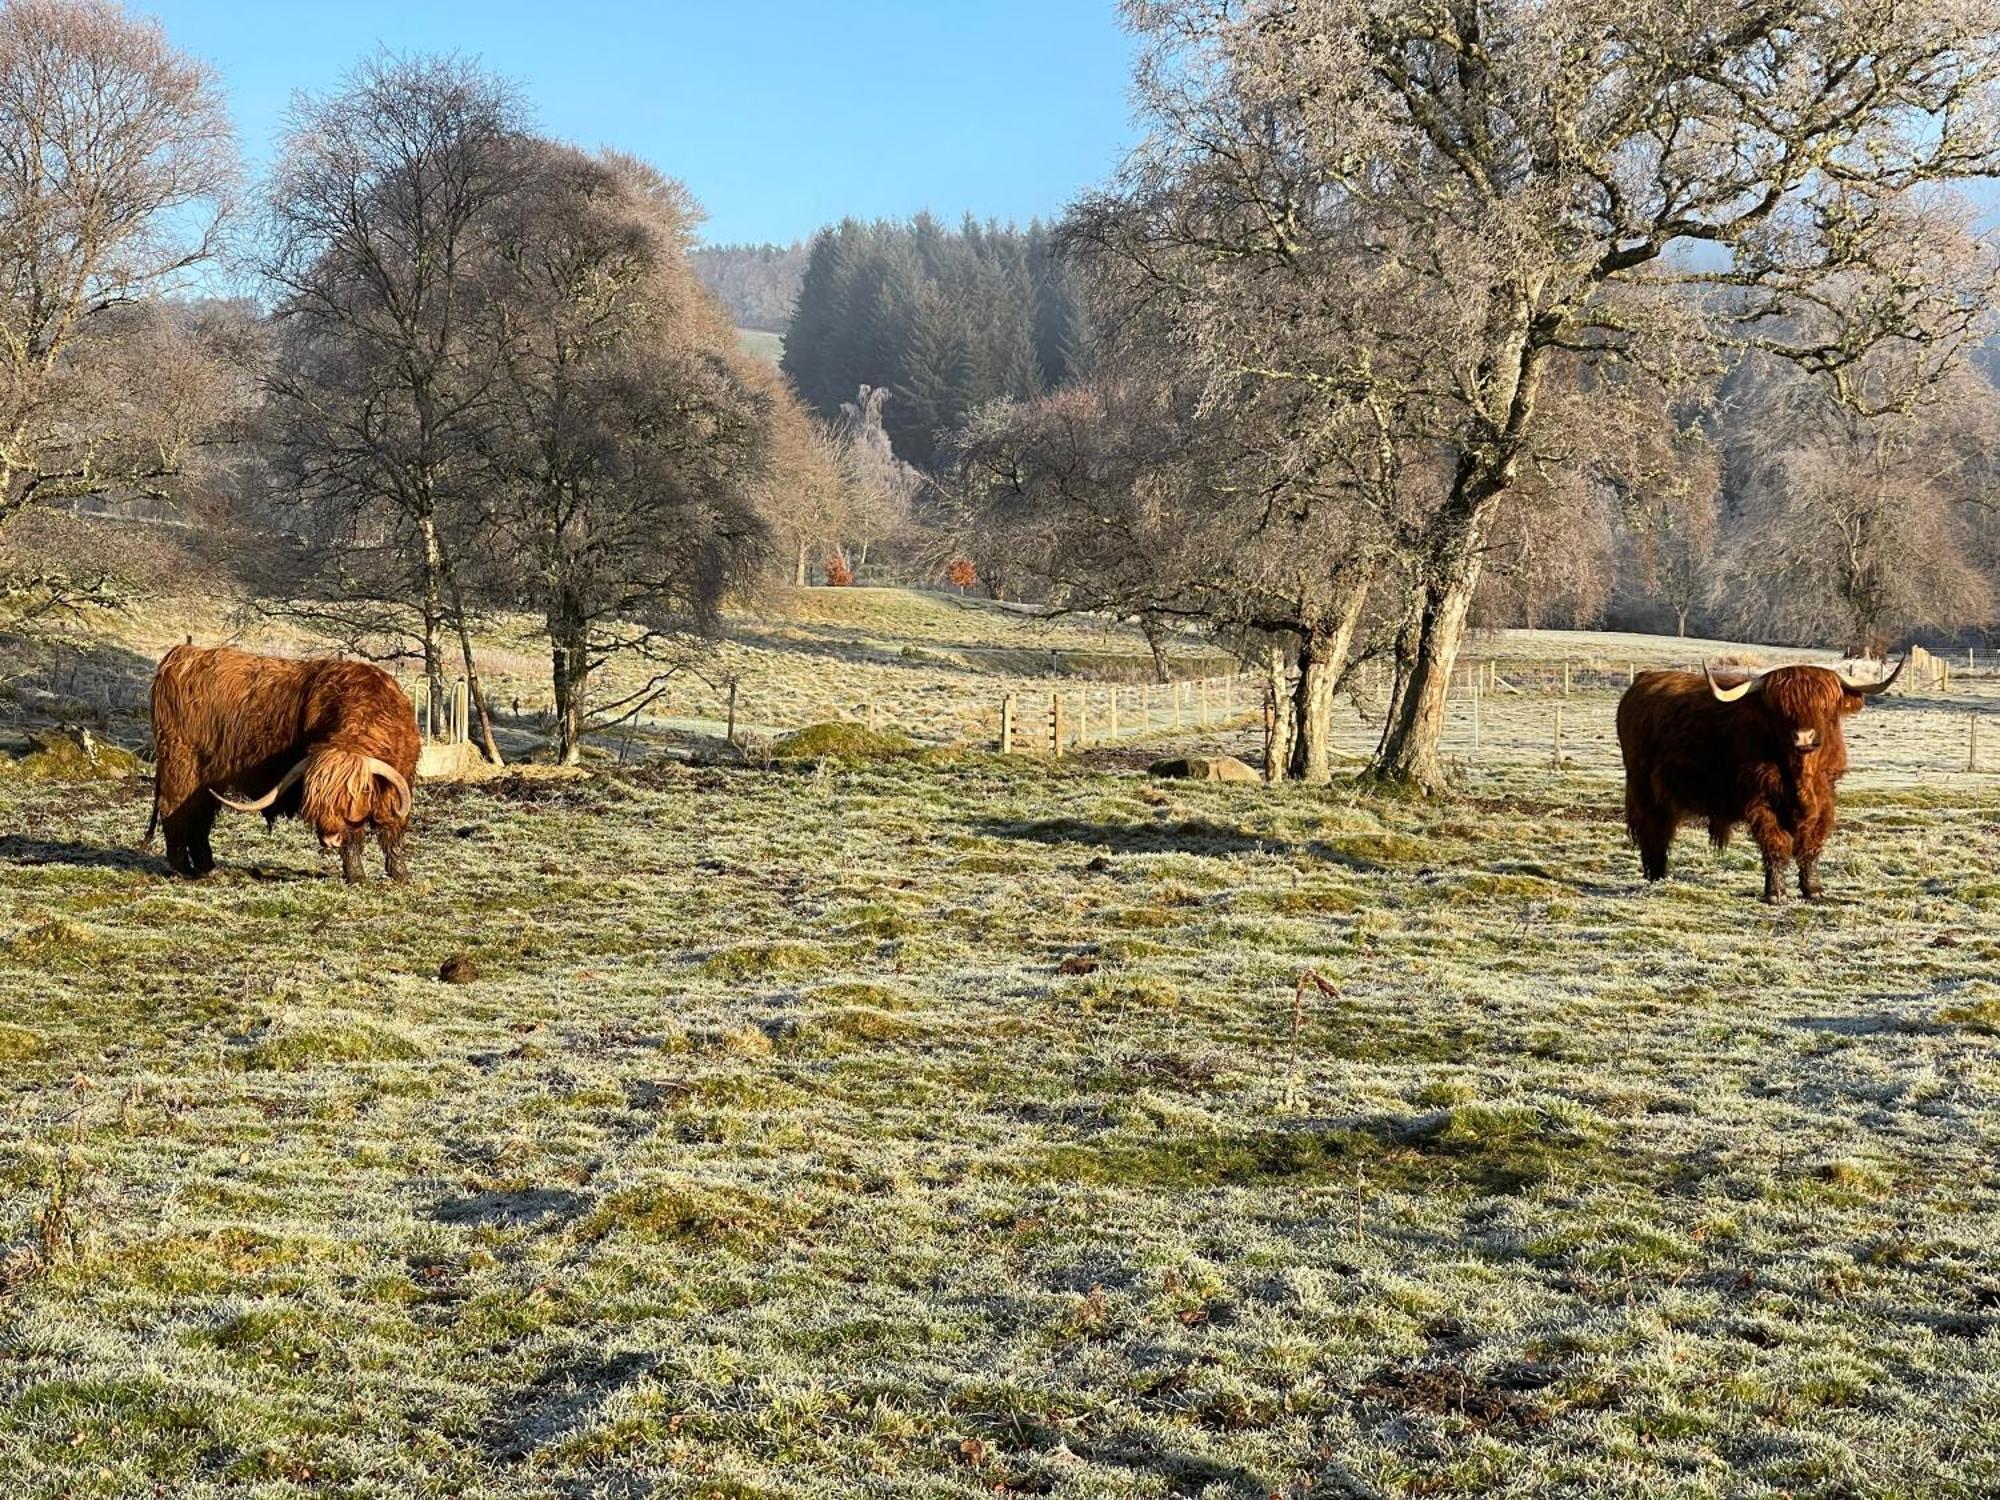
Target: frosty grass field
x=945 y=1125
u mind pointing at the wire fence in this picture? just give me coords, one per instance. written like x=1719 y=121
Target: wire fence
x=1082 y=717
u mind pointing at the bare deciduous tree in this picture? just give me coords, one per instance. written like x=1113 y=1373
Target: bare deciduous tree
x=1854 y=519
x=625 y=441
x=117 y=168
x=380 y=212
x=808 y=486
x=1129 y=495
x=1415 y=211
x=884 y=489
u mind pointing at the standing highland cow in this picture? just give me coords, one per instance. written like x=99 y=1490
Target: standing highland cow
x=333 y=742
x=1765 y=751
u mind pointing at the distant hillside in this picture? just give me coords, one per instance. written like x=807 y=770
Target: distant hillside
x=759 y=284
x=764 y=345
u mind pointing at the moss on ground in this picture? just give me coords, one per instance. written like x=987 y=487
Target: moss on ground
x=841 y=741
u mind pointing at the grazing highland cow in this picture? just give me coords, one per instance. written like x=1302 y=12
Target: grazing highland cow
x=333 y=742
x=1764 y=751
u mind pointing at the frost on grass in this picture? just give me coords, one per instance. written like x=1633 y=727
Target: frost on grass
x=945 y=1127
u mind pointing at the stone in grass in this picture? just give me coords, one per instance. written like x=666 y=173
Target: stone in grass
x=1203 y=768
x=459 y=969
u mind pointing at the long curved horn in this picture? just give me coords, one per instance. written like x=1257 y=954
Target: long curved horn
x=1728 y=695
x=395 y=779
x=285 y=784
x=1870 y=689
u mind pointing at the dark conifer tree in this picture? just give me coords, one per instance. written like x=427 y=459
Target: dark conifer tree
x=945 y=320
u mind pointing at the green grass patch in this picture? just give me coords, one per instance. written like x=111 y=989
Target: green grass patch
x=769 y=961
x=288 y=1046
x=841 y=741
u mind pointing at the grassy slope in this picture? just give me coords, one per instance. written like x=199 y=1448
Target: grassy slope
x=934 y=665
x=942 y=1125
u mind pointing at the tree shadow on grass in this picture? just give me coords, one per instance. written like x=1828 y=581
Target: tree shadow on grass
x=56 y=679
x=1183 y=1473
x=560 y=1401
x=21 y=849
x=1184 y=836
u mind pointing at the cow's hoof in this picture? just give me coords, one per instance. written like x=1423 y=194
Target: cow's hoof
x=1775 y=898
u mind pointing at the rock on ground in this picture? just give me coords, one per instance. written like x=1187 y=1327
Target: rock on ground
x=1203 y=768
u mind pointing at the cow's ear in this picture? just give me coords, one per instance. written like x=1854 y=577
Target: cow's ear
x=1852 y=702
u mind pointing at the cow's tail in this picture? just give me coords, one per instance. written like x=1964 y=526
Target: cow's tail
x=152 y=823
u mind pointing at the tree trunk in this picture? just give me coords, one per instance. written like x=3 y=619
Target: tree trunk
x=1156 y=642
x=799 y=565
x=1323 y=653
x=433 y=611
x=1278 y=749
x=1312 y=708
x=1428 y=648
x=569 y=675
x=489 y=746
x=1405 y=650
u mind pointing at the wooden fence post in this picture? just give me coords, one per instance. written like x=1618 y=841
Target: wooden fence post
x=1055 y=726
x=1177 y=703
x=732 y=711
x=1565 y=676
x=1007 y=724
x=1475 y=718
x=1201 y=696
x=1559 y=737
x=461 y=711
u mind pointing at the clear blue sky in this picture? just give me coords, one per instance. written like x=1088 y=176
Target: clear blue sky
x=780 y=115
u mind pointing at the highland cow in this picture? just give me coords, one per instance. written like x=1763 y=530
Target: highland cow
x=331 y=742
x=1765 y=751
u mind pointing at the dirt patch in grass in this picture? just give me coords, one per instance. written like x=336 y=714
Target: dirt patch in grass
x=1503 y=1400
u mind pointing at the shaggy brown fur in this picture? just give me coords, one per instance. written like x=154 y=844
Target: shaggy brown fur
x=226 y=723
x=1769 y=760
